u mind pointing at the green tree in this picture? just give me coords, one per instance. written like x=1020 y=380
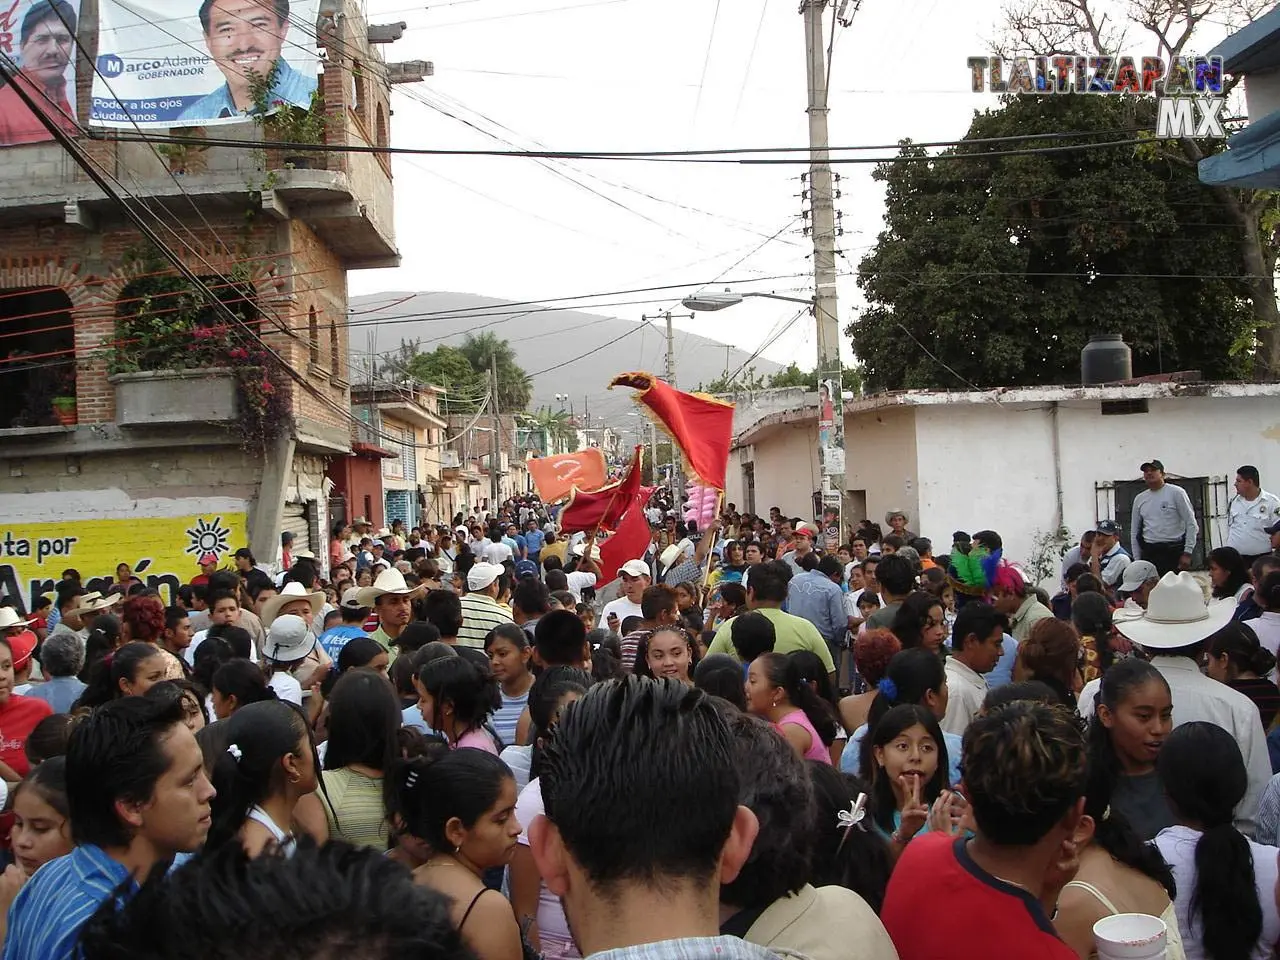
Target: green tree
x=449 y=368
x=994 y=270
x=1252 y=216
x=558 y=427
x=791 y=375
x=514 y=386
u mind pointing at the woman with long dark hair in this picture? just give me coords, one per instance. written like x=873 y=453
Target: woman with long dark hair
x=456 y=697
x=776 y=690
x=1228 y=573
x=1234 y=656
x=1119 y=873
x=909 y=776
x=1226 y=898
x=921 y=622
x=238 y=683
x=269 y=765
x=845 y=854
x=129 y=671
x=1132 y=718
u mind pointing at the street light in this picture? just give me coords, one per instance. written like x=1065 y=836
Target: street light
x=710 y=302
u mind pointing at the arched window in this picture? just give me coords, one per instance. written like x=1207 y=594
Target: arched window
x=335 y=350
x=358 y=100
x=313 y=335
x=381 y=134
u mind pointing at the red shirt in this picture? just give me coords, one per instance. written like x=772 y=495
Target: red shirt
x=19 y=125
x=940 y=905
x=18 y=717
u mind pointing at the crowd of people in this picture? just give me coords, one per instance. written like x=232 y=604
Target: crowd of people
x=759 y=739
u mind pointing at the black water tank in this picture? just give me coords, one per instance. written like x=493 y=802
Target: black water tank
x=1106 y=359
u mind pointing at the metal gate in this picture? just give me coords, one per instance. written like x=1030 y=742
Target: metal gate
x=1115 y=501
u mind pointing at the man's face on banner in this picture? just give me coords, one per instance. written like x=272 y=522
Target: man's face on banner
x=47 y=52
x=245 y=37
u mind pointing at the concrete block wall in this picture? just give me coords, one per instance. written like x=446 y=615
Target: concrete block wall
x=174 y=472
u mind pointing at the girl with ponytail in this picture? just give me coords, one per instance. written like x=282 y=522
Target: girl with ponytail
x=269 y=765
x=462 y=805
x=1132 y=717
x=1226 y=902
x=777 y=691
x=917 y=677
x=1235 y=657
x=1119 y=873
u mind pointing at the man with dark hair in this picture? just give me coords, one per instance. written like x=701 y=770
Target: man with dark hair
x=1025 y=772
x=245 y=39
x=1249 y=513
x=46 y=40
x=752 y=634
x=331 y=897
x=620 y=761
x=976 y=644
x=766 y=592
x=897 y=578
x=138 y=796
x=529 y=602
x=816 y=596
x=560 y=640
x=771 y=902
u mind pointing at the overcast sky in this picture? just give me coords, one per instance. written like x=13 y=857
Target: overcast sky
x=650 y=75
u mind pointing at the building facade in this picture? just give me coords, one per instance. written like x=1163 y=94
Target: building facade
x=122 y=462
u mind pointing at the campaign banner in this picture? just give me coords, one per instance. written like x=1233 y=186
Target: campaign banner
x=163 y=553
x=37 y=46
x=187 y=63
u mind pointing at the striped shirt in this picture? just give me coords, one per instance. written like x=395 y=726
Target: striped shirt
x=480 y=614
x=354 y=810
x=48 y=913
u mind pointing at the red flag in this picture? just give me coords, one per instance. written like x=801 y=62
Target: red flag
x=701 y=426
x=603 y=507
x=629 y=542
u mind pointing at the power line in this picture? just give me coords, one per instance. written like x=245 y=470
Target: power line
x=706 y=60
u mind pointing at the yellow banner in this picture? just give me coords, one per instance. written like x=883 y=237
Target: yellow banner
x=162 y=552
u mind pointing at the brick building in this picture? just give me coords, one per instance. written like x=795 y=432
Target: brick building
x=153 y=470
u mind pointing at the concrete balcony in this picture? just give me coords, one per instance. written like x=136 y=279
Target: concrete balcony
x=168 y=397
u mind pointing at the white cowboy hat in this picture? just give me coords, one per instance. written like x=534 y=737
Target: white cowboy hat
x=581 y=551
x=302 y=555
x=292 y=591
x=1177 y=615
x=9 y=618
x=389 y=582
x=669 y=557
x=288 y=640
x=94 y=602
x=890 y=514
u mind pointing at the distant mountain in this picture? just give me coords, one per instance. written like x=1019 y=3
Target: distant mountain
x=543 y=338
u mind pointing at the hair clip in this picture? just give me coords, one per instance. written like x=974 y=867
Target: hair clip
x=235 y=751
x=411 y=779
x=853 y=817
x=888 y=688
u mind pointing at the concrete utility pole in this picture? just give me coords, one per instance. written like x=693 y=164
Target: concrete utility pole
x=494 y=458
x=822 y=203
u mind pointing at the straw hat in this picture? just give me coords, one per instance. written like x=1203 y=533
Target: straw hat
x=94 y=603
x=389 y=582
x=1177 y=615
x=292 y=592
x=9 y=618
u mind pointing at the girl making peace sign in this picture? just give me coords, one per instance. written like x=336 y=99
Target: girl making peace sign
x=909 y=780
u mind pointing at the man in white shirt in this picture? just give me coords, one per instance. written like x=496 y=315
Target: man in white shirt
x=1108 y=559
x=1173 y=630
x=635 y=580
x=976 y=646
x=1249 y=514
x=496 y=551
x=588 y=572
x=1077 y=554
x=1164 y=528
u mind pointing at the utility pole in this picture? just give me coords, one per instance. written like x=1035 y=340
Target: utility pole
x=494 y=458
x=822 y=204
x=677 y=475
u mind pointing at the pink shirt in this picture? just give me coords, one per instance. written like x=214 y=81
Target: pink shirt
x=477 y=740
x=817 y=749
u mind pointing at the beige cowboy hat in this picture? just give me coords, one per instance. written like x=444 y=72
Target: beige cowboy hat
x=291 y=592
x=94 y=602
x=669 y=556
x=1177 y=615
x=581 y=551
x=389 y=582
x=890 y=514
x=9 y=618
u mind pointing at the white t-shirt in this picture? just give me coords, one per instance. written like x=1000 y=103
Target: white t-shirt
x=286 y=687
x=579 y=581
x=498 y=553
x=189 y=654
x=621 y=608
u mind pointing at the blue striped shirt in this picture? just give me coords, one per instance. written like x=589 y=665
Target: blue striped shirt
x=46 y=916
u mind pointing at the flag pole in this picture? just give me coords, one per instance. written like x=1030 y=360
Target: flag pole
x=706 y=573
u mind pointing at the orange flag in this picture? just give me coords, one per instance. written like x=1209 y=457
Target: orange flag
x=603 y=508
x=701 y=426
x=554 y=477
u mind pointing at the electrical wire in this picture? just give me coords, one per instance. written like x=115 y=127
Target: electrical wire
x=706 y=61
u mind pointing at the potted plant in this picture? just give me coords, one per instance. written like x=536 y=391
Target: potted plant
x=64 y=408
x=286 y=123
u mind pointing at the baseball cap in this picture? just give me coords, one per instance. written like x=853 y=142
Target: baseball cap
x=1138 y=573
x=351 y=599
x=1109 y=527
x=635 y=568
x=206 y=558
x=22 y=644
x=1153 y=465
x=483 y=574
